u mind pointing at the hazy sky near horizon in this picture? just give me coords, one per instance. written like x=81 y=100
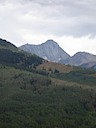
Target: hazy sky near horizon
x=71 y=23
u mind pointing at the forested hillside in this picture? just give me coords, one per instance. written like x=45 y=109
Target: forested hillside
x=31 y=100
x=10 y=55
x=35 y=93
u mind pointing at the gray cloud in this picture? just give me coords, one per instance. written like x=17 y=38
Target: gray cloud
x=48 y=17
x=69 y=22
x=75 y=17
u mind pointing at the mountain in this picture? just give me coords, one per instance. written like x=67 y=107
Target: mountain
x=90 y=65
x=49 y=50
x=79 y=59
x=50 y=96
x=29 y=100
x=7 y=45
x=10 y=55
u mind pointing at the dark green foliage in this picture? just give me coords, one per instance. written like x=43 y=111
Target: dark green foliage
x=18 y=59
x=29 y=100
x=11 y=56
x=82 y=77
x=56 y=71
x=7 y=45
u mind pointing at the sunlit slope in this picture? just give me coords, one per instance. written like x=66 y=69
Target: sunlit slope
x=54 y=67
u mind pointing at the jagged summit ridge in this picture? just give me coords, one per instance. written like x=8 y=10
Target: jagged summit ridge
x=49 y=50
x=50 y=42
x=79 y=59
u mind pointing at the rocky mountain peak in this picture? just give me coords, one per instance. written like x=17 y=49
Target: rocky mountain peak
x=49 y=50
x=80 y=58
x=51 y=42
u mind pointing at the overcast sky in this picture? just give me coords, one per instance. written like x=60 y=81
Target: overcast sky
x=71 y=23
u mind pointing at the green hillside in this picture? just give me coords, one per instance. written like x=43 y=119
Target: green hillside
x=39 y=94
x=11 y=56
x=31 y=100
x=7 y=45
x=81 y=76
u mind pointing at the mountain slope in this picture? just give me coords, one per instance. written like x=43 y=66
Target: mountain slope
x=53 y=67
x=91 y=65
x=10 y=55
x=49 y=50
x=79 y=59
x=62 y=99
x=28 y=100
x=23 y=60
x=7 y=45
